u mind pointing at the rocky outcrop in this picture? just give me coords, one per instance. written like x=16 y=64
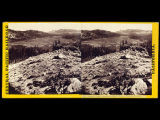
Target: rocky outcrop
x=124 y=72
x=55 y=72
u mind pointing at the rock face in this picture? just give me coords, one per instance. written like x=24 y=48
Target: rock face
x=49 y=73
x=125 y=72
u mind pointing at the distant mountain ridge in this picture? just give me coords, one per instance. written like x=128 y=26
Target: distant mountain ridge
x=94 y=34
x=28 y=34
x=64 y=31
x=134 y=31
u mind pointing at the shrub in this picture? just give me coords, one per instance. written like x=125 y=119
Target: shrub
x=56 y=45
x=124 y=45
x=148 y=46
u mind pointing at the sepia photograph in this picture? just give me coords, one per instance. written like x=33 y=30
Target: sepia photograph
x=44 y=58
x=80 y=58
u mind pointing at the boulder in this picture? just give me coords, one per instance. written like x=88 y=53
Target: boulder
x=61 y=56
x=127 y=56
x=150 y=81
x=75 y=85
x=139 y=88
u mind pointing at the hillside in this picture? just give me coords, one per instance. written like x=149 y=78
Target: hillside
x=49 y=73
x=61 y=72
x=124 y=72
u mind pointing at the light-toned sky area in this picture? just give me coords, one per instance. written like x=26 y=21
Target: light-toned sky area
x=47 y=27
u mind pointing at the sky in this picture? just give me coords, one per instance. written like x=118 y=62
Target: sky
x=47 y=27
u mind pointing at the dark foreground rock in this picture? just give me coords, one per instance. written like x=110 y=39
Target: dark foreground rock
x=55 y=72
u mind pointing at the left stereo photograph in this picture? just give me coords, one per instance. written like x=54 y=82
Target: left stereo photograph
x=33 y=66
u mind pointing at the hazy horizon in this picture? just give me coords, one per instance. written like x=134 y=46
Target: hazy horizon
x=48 y=27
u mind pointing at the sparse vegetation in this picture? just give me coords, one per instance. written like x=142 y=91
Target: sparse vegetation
x=124 y=45
x=148 y=45
x=56 y=45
